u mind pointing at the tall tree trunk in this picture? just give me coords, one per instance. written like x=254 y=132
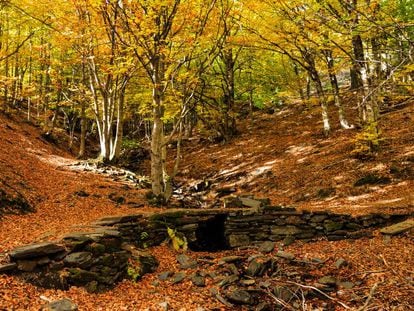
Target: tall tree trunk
x=367 y=105
x=157 y=139
x=117 y=145
x=297 y=74
x=158 y=179
x=335 y=87
x=81 y=154
x=229 y=123
x=308 y=56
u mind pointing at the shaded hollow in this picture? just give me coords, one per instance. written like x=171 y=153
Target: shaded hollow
x=210 y=235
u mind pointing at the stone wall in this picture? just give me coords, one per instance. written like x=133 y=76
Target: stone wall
x=99 y=259
x=94 y=260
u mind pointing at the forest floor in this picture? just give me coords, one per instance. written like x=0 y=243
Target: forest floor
x=282 y=156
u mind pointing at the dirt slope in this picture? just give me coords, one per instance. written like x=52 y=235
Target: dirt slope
x=40 y=172
x=284 y=156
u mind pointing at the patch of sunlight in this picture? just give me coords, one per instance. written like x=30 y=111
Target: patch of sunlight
x=38 y=151
x=390 y=201
x=260 y=170
x=379 y=167
x=55 y=160
x=246 y=142
x=302 y=160
x=339 y=177
x=409 y=151
x=297 y=150
x=358 y=197
x=232 y=169
x=282 y=112
x=237 y=156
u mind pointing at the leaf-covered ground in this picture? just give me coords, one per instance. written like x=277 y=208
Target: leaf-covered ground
x=281 y=156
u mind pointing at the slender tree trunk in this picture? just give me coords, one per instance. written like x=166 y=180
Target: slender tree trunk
x=297 y=74
x=309 y=58
x=229 y=123
x=335 y=87
x=81 y=154
x=324 y=104
x=158 y=179
x=157 y=138
x=308 y=87
x=367 y=103
x=119 y=126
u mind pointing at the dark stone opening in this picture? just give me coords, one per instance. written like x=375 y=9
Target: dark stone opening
x=210 y=235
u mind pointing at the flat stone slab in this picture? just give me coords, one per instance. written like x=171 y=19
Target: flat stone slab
x=112 y=220
x=8 y=267
x=36 y=250
x=399 y=227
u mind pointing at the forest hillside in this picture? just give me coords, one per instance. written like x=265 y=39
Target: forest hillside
x=264 y=160
x=206 y=155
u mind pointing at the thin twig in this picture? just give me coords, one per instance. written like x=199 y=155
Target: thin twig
x=321 y=292
x=278 y=300
x=369 y=298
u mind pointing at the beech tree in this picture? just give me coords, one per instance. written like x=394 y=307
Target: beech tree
x=160 y=34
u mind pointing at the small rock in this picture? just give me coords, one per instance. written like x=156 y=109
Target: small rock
x=82 y=194
x=283 y=293
x=332 y=225
x=248 y=282
x=288 y=240
x=228 y=280
x=186 y=262
x=233 y=269
x=178 y=277
x=346 y=285
x=146 y=261
x=163 y=276
x=327 y=280
x=223 y=300
x=340 y=263
x=117 y=199
x=248 y=202
x=238 y=240
x=240 y=297
x=225 y=191
x=230 y=259
x=79 y=259
x=317 y=260
x=92 y=287
x=256 y=268
x=232 y=202
x=285 y=255
x=198 y=280
x=267 y=247
x=265 y=284
x=399 y=227
x=61 y=305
